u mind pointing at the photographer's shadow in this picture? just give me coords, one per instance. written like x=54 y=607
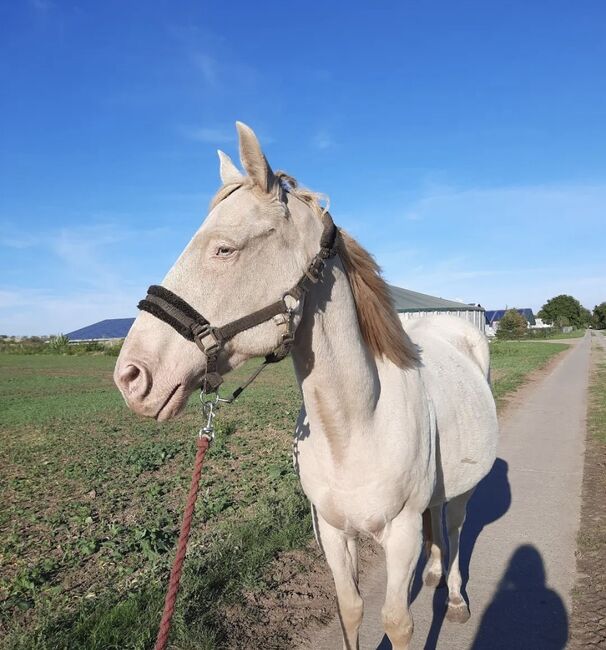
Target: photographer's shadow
x=524 y=613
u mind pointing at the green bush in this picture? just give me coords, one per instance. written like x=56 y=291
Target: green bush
x=58 y=344
x=113 y=350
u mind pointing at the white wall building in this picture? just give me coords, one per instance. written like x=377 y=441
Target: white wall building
x=412 y=304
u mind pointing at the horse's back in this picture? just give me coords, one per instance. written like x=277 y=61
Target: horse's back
x=455 y=362
x=462 y=334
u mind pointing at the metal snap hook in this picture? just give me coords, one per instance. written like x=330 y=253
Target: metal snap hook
x=291 y=305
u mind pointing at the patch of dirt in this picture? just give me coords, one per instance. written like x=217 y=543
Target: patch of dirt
x=588 y=622
x=297 y=599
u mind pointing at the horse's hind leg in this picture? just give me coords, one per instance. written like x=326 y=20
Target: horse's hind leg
x=435 y=547
x=455 y=517
x=341 y=552
x=402 y=544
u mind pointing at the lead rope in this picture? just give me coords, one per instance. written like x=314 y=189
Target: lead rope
x=205 y=437
x=175 y=574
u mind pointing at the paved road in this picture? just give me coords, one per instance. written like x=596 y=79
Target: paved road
x=521 y=526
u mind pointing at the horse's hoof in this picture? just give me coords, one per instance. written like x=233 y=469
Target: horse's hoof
x=432 y=579
x=458 y=612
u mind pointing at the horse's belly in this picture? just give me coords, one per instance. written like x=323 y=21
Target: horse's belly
x=466 y=444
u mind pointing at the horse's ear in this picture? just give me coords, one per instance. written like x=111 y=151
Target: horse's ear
x=253 y=160
x=228 y=171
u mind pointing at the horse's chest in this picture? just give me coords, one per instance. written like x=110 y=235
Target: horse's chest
x=357 y=508
x=356 y=497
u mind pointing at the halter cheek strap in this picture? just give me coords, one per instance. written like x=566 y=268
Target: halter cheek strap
x=191 y=325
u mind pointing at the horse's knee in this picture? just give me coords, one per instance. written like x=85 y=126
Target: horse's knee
x=351 y=613
x=398 y=625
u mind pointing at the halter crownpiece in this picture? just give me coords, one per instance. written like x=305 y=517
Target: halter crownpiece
x=183 y=318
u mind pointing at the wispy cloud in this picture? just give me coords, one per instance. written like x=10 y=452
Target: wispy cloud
x=71 y=276
x=207 y=65
x=18 y=240
x=41 y=5
x=219 y=135
x=515 y=245
x=31 y=312
x=81 y=250
x=211 y=135
x=322 y=140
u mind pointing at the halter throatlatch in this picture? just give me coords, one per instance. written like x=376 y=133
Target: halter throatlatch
x=184 y=319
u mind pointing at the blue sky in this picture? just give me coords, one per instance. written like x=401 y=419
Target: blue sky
x=463 y=143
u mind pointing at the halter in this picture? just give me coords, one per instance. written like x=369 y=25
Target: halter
x=183 y=318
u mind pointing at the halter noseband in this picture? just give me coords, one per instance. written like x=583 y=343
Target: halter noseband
x=183 y=318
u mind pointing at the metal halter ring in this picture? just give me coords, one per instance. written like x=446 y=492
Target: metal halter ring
x=294 y=307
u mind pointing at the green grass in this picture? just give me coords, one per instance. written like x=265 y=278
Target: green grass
x=92 y=499
x=596 y=420
x=512 y=361
x=575 y=334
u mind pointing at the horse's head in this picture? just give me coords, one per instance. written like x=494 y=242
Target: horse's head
x=253 y=246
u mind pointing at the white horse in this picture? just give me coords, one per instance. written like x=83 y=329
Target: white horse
x=390 y=426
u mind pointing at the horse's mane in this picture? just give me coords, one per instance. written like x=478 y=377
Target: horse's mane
x=379 y=323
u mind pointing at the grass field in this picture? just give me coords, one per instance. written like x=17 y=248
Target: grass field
x=575 y=334
x=512 y=361
x=92 y=498
x=588 y=627
x=596 y=420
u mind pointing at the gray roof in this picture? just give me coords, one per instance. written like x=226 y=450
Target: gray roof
x=407 y=300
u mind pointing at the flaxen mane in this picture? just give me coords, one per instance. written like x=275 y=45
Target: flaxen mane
x=379 y=323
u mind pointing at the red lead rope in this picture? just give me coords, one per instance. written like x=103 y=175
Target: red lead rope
x=175 y=573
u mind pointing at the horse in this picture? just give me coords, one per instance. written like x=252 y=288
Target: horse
x=393 y=424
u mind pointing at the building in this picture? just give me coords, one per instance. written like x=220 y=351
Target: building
x=408 y=304
x=412 y=304
x=105 y=330
x=494 y=316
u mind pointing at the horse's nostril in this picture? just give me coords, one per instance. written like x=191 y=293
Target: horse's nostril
x=134 y=380
x=130 y=373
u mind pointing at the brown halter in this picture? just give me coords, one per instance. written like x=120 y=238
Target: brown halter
x=183 y=318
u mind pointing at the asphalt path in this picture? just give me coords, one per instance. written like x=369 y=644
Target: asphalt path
x=519 y=540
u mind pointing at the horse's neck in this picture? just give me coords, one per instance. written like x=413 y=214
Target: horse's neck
x=337 y=374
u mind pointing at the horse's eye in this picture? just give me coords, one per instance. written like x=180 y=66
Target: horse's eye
x=224 y=251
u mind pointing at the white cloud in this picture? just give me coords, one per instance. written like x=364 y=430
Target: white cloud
x=322 y=140
x=82 y=274
x=42 y=5
x=219 y=135
x=210 y=135
x=207 y=65
x=516 y=245
x=31 y=312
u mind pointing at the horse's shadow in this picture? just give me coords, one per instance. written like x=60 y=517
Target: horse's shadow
x=490 y=501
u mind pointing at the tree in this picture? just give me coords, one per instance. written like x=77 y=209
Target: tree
x=564 y=310
x=512 y=326
x=599 y=316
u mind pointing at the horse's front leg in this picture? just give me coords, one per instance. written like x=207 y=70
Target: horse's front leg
x=341 y=553
x=402 y=543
